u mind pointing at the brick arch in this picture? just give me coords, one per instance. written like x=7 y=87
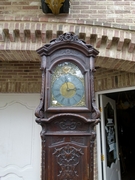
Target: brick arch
x=116 y=46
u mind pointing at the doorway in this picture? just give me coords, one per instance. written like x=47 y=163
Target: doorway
x=125 y=113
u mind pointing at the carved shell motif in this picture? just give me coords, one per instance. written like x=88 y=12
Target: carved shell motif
x=54 y=5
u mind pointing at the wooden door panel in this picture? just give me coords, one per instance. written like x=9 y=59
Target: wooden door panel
x=67 y=161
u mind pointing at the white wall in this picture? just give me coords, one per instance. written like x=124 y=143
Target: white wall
x=20 y=144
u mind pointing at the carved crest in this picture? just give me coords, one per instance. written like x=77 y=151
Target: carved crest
x=68 y=37
x=55 y=5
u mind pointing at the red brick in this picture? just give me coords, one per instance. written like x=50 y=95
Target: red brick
x=30 y=7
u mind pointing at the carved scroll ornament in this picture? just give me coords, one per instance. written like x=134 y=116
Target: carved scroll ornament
x=68 y=158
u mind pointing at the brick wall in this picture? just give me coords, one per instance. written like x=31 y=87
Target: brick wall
x=96 y=12
x=25 y=77
x=20 y=77
x=111 y=79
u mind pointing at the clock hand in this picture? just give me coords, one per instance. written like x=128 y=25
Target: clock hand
x=69 y=89
x=66 y=81
x=73 y=89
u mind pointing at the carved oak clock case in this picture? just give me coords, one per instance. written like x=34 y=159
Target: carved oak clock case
x=67 y=111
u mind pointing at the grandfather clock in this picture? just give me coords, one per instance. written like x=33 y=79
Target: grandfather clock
x=67 y=111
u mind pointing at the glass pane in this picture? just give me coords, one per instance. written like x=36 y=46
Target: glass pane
x=110 y=134
x=67 y=86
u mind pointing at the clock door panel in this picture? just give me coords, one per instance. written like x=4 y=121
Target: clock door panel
x=67 y=160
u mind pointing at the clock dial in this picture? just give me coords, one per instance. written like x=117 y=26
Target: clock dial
x=68 y=87
x=68 y=90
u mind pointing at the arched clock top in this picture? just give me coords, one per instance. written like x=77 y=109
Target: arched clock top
x=67 y=40
x=67 y=60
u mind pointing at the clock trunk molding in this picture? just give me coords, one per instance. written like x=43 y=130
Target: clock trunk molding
x=67 y=110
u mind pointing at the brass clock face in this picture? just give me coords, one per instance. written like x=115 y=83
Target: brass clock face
x=68 y=86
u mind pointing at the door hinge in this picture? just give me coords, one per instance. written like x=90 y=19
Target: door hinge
x=102 y=157
x=100 y=109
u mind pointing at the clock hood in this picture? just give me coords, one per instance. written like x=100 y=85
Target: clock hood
x=67 y=40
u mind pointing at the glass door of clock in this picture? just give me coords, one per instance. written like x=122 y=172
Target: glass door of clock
x=111 y=162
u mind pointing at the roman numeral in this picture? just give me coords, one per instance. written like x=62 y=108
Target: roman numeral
x=58 y=95
x=62 y=100
x=68 y=102
x=78 y=95
x=74 y=99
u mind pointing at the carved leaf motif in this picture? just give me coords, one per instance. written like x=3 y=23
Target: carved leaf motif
x=55 y=5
